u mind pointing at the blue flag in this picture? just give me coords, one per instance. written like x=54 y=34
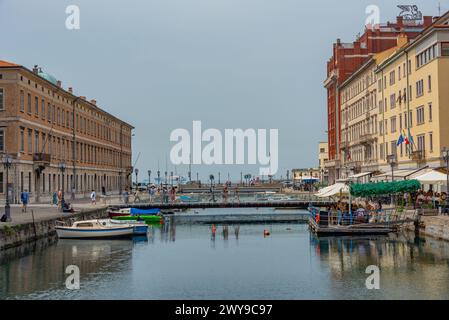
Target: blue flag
x=400 y=140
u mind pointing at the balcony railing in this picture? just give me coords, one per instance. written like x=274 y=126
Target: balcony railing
x=42 y=158
x=418 y=155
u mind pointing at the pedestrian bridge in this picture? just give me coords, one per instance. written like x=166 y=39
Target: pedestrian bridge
x=294 y=204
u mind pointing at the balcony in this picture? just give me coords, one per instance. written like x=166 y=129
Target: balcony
x=41 y=161
x=418 y=156
x=368 y=138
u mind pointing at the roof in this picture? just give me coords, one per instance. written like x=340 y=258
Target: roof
x=6 y=64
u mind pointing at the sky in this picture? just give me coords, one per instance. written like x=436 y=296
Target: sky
x=162 y=64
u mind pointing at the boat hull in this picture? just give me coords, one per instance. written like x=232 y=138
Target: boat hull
x=146 y=218
x=72 y=233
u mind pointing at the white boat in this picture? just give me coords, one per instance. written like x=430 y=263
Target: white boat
x=91 y=229
x=140 y=227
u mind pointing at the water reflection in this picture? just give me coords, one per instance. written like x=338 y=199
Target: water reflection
x=230 y=262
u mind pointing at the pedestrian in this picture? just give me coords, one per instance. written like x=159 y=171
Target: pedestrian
x=125 y=196
x=55 y=198
x=93 y=197
x=24 y=197
x=59 y=199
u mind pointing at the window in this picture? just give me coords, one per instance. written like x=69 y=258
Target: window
x=420 y=115
x=22 y=101
x=429 y=83
x=22 y=140
x=419 y=88
x=43 y=109
x=393 y=101
x=29 y=103
x=36 y=142
x=1 y=183
x=30 y=142
x=2 y=141
x=36 y=106
x=2 y=104
x=421 y=143
x=445 y=49
x=393 y=124
x=430 y=112
x=392 y=78
x=431 y=142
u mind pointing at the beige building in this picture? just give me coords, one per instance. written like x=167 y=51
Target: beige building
x=413 y=96
x=360 y=116
x=323 y=155
x=45 y=128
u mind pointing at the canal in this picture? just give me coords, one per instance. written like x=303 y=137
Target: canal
x=185 y=261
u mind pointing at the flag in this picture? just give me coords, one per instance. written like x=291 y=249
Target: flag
x=410 y=138
x=400 y=140
x=407 y=142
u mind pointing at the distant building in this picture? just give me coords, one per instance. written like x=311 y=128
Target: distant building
x=323 y=154
x=44 y=127
x=300 y=174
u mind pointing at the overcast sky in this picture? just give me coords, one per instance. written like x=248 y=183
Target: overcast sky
x=160 y=64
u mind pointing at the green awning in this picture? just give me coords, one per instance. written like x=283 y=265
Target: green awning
x=384 y=188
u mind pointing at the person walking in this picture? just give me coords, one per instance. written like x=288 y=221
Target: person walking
x=54 y=199
x=59 y=199
x=24 y=197
x=125 y=196
x=93 y=197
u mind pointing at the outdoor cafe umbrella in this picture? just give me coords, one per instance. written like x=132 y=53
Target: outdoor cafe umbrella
x=432 y=177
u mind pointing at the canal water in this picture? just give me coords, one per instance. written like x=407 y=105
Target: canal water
x=188 y=262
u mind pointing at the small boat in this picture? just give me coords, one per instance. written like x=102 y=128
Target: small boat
x=132 y=211
x=144 y=217
x=140 y=227
x=94 y=229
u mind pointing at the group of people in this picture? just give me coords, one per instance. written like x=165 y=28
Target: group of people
x=432 y=198
x=367 y=212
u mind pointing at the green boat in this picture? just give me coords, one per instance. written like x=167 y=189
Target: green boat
x=144 y=217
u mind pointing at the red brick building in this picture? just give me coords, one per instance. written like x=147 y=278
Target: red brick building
x=346 y=59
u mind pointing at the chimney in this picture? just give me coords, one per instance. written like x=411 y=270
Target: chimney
x=401 y=40
x=428 y=20
x=83 y=97
x=70 y=89
x=59 y=83
x=93 y=101
x=36 y=69
x=400 y=21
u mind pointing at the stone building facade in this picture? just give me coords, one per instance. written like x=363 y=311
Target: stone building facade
x=45 y=128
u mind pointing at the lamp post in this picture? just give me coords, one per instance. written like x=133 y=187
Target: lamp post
x=149 y=177
x=7 y=162
x=171 y=178
x=446 y=158
x=136 y=171
x=159 y=177
x=392 y=162
x=211 y=178
x=62 y=168
x=166 y=173
x=219 y=174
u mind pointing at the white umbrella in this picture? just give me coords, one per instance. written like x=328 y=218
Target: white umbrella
x=432 y=177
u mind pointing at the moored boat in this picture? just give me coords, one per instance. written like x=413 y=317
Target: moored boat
x=140 y=227
x=94 y=229
x=123 y=212
x=146 y=218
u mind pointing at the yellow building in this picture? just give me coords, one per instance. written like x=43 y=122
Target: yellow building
x=359 y=147
x=413 y=96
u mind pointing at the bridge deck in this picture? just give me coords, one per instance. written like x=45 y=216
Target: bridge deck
x=242 y=204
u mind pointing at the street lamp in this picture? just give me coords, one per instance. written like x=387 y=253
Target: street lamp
x=166 y=173
x=149 y=176
x=212 y=178
x=392 y=162
x=159 y=177
x=171 y=178
x=136 y=171
x=62 y=168
x=7 y=162
x=446 y=158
